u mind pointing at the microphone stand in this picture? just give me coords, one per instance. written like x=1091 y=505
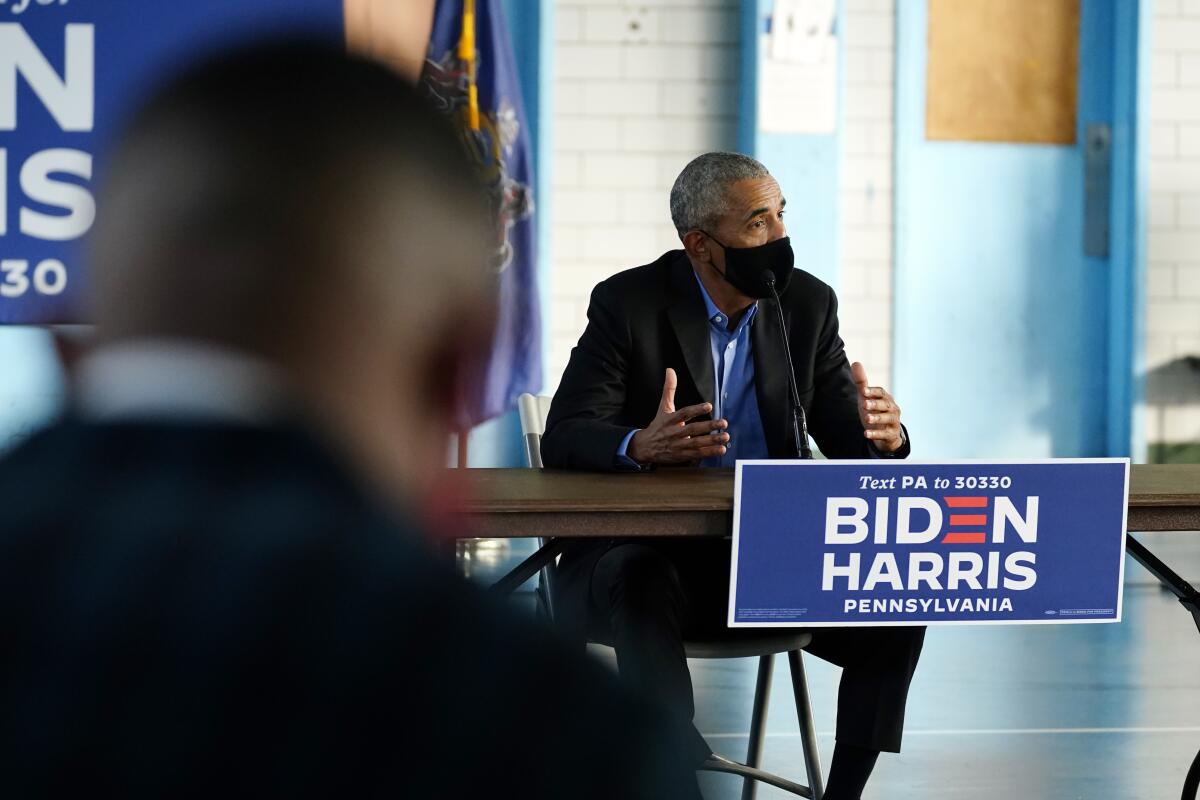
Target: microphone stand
x=799 y=419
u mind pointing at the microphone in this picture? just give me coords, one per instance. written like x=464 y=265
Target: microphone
x=799 y=419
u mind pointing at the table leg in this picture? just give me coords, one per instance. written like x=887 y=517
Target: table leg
x=544 y=556
x=1189 y=598
x=1191 y=784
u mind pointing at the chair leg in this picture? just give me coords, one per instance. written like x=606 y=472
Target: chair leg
x=758 y=721
x=808 y=733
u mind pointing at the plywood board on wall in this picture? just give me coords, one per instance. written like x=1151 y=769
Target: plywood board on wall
x=1002 y=70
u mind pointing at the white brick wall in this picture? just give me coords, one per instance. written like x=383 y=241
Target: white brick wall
x=1173 y=249
x=635 y=104
x=641 y=89
x=644 y=87
x=865 y=289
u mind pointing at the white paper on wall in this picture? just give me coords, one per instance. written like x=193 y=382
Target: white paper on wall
x=798 y=69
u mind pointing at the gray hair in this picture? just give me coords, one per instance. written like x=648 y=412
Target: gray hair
x=699 y=198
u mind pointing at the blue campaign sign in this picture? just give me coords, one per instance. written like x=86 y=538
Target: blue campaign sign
x=834 y=543
x=70 y=70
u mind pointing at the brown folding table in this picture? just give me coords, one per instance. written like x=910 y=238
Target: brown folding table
x=559 y=505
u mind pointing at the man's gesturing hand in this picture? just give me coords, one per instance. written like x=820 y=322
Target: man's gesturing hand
x=878 y=411
x=671 y=439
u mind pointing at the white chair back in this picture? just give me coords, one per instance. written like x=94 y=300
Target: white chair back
x=533 y=409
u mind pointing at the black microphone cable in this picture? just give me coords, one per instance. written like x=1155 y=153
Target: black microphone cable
x=799 y=418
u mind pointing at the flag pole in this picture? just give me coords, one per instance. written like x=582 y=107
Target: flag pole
x=463 y=442
x=466 y=53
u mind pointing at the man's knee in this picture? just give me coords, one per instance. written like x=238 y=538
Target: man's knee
x=884 y=649
x=912 y=640
x=902 y=643
x=637 y=571
x=900 y=647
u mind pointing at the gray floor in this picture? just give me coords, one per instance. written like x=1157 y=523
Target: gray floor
x=1078 y=711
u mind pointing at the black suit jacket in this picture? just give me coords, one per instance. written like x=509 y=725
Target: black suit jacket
x=211 y=609
x=646 y=319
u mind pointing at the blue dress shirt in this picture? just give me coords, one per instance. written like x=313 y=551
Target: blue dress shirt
x=734 y=399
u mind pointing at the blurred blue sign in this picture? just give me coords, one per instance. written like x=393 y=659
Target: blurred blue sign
x=69 y=72
x=834 y=543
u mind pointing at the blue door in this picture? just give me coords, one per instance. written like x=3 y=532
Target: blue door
x=1014 y=291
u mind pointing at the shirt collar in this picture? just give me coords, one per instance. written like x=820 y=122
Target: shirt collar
x=164 y=378
x=716 y=316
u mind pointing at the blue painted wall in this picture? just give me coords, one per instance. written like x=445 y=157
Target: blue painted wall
x=994 y=298
x=1127 y=294
x=806 y=165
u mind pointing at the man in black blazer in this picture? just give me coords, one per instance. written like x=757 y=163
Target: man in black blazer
x=679 y=365
x=216 y=576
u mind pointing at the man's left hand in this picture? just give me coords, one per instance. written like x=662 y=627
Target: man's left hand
x=878 y=411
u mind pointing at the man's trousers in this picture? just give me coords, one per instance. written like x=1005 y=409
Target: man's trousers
x=647 y=597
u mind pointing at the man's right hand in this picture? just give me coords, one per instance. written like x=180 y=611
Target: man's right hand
x=671 y=439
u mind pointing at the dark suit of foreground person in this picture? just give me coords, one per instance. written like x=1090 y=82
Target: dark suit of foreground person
x=213 y=579
x=694 y=317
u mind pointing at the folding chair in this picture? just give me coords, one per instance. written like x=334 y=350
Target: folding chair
x=533 y=410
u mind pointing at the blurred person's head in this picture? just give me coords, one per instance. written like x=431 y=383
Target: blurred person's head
x=305 y=207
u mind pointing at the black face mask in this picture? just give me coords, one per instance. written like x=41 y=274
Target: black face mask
x=747 y=267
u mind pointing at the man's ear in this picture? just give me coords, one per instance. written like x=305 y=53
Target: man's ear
x=697 y=246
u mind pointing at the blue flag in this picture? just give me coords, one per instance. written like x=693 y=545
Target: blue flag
x=497 y=140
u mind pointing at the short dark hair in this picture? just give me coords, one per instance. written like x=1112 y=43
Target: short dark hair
x=699 y=196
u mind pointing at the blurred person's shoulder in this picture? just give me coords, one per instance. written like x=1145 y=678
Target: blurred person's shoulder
x=251 y=551
x=131 y=464
x=273 y=498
